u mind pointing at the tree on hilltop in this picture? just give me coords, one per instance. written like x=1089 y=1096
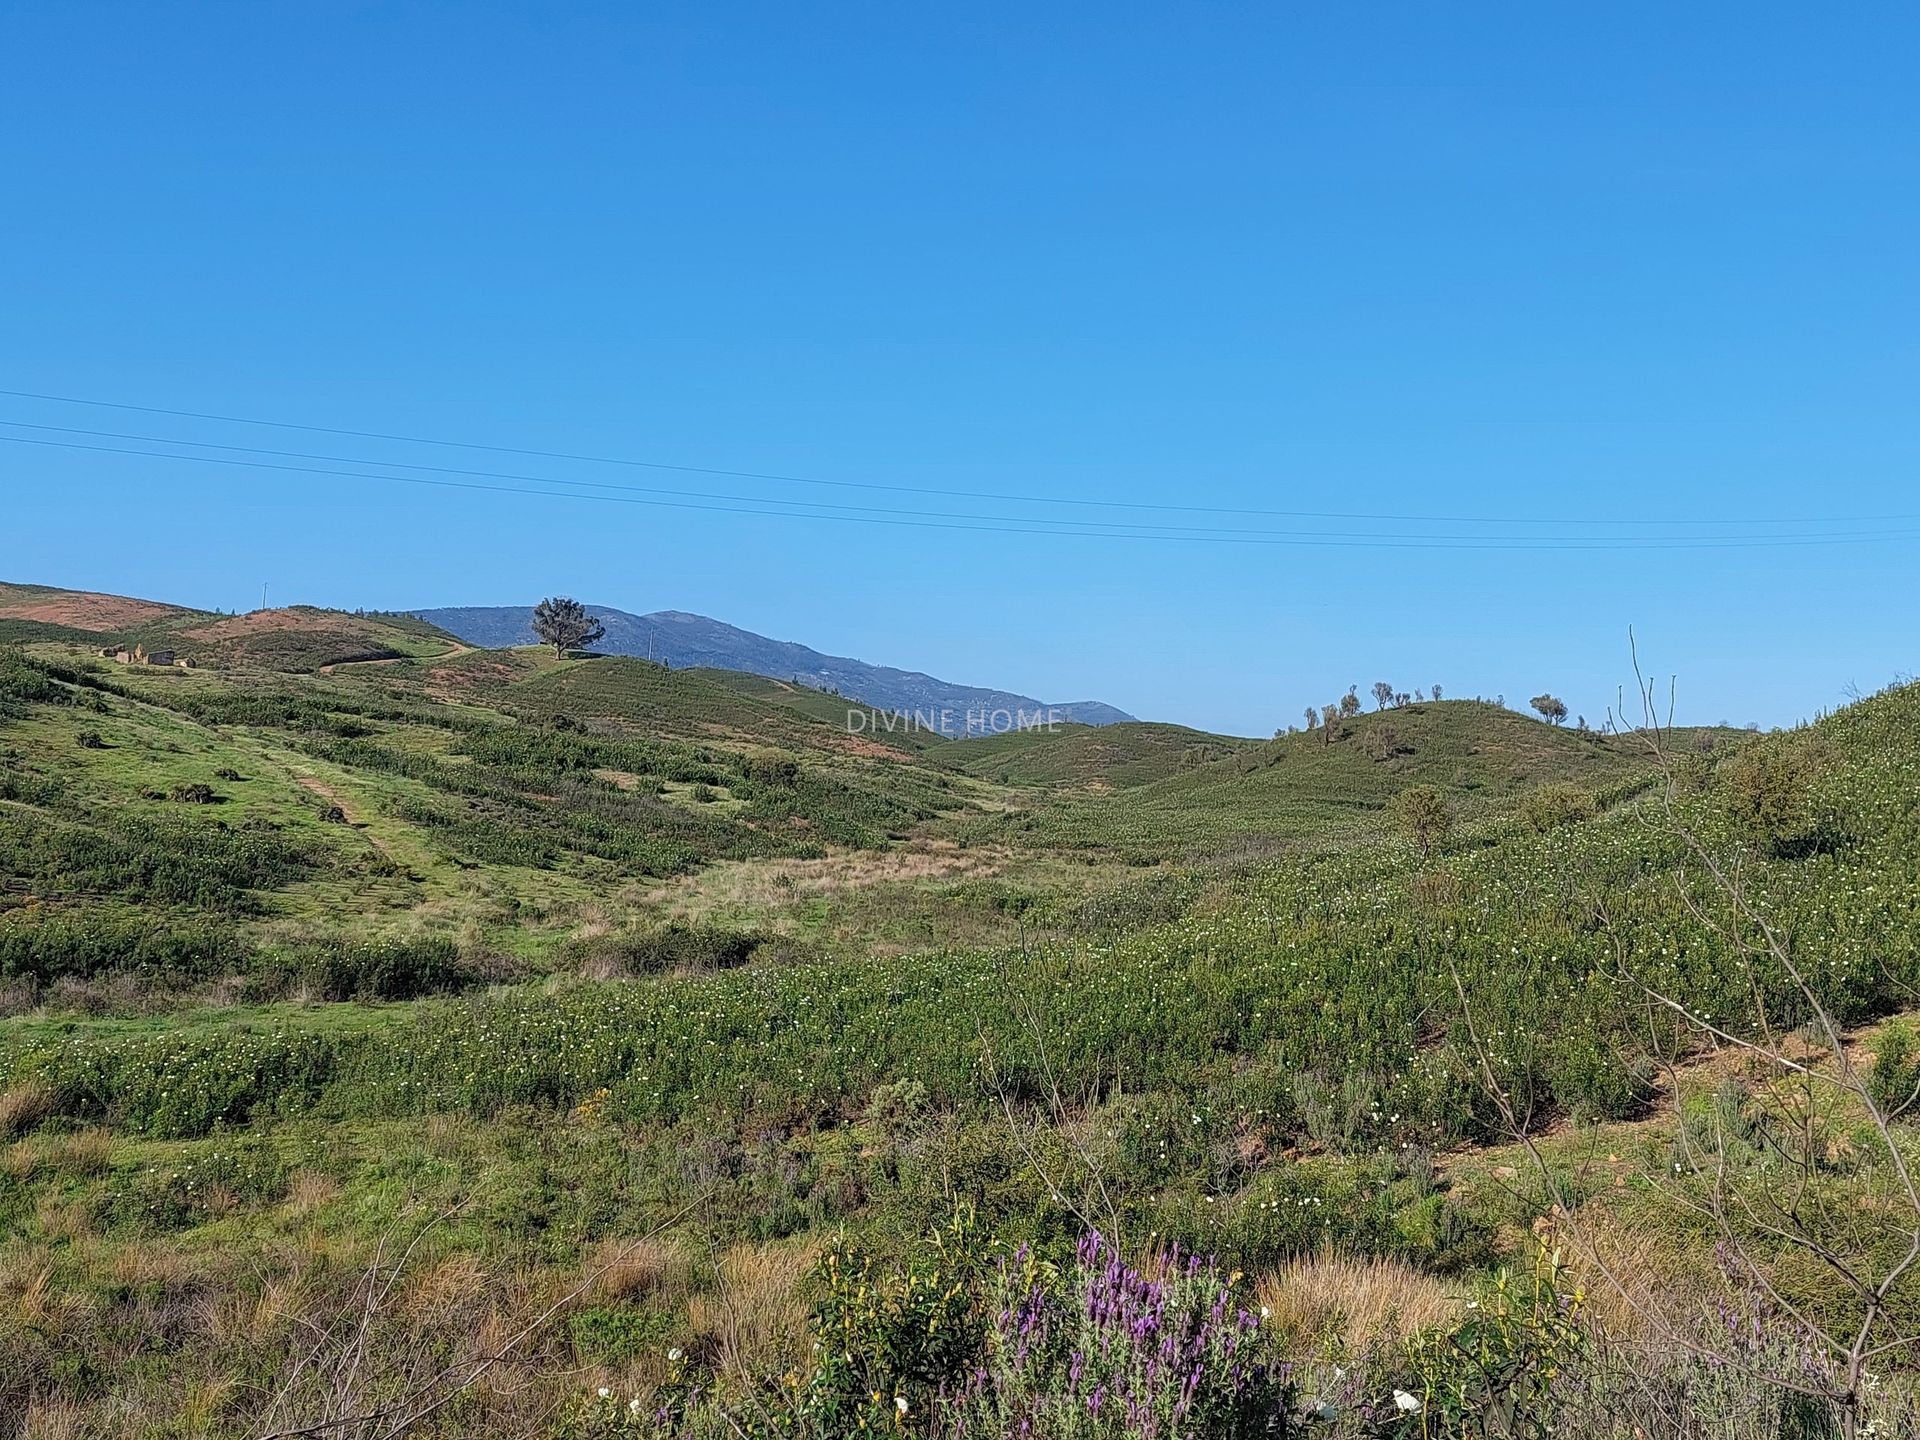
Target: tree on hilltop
x=1551 y=708
x=1350 y=703
x=1382 y=694
x=565 y=624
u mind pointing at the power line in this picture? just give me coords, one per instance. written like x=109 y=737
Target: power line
x=799 y=506
x=949 y=493
x=1162 y=528
x=1014 y=526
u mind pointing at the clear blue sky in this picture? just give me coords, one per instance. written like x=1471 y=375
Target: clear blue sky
x=1542 y=263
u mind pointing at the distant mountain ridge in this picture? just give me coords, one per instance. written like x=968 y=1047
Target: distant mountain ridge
x=680 y=639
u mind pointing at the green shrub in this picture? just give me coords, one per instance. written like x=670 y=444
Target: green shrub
x=672 y=947
x=373 y=970
x=1552 y=807
x=1493 y=1373
x=895 y=1330
x=57 y=946
x=1894 y=1079
x=1422 y=814
x=611 y=1334
x=1771 y=789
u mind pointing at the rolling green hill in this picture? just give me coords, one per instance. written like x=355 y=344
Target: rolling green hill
x=832 y=710
x=1312 y=787
x=527 y=957
x=1118 y=756
x=320 y=774
x=713 y=705
x=222 y=808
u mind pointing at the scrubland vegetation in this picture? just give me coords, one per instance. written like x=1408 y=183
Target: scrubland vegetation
x=526 y=1046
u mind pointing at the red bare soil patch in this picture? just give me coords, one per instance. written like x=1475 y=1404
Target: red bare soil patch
x=269 y=622
x=472 y=676
x=849 y=743
x=88 y=612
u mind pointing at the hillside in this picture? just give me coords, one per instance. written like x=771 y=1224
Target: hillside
x=319 y=773
x=673 y=637
x=565 y=951
x=218 y=809
x=838 y=711
x=84 y=611
x=403 y=962
x=1117 y=756
x=1170 y=788
x=296 y=639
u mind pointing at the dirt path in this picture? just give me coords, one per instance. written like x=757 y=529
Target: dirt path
x=314 y=785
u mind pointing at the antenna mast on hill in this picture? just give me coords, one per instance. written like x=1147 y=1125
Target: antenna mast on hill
x=263 y=594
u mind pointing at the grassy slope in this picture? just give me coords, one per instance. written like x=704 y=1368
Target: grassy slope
x=647 y=778
x=697 y=704
x=829 y=709
x=1104 y=757
x=1280 y=1033
x=390 y=745
x=1483 y=757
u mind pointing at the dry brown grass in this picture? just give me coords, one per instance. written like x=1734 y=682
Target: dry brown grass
x=152 y=1265
x=1348 y=1304
x=280 y=1300
x=51 y=1419
x=24 y=1106
x=39 y=1302
x=646 y=1269
x=1635 y=1283
x=443 y=1287
x=60 y=1218
x=754 y=887
x=445 y=1134
x=204 y=1404
x=83 y=1153
x=755 y=1319
x=308 y=1190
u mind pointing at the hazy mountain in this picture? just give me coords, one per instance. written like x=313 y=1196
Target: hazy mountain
x=679 y=639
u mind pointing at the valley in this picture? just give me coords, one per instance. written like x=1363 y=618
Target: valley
x=643 y=993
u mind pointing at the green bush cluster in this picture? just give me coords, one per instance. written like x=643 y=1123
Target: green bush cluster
x=48 y=947
x=390 y=969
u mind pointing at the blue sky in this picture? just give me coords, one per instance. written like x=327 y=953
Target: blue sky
x=1641 y=264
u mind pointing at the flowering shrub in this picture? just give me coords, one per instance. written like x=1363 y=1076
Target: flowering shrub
x=1110 y=1349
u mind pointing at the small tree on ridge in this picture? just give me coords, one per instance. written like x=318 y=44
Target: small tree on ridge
x=564 y=624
